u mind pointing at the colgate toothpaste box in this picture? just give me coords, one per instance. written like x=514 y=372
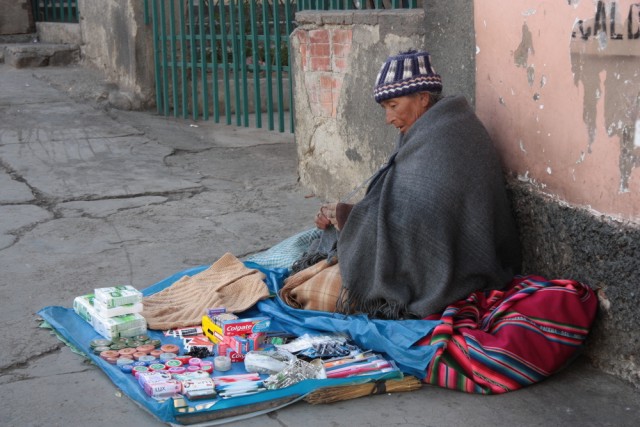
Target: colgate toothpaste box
x=239 y=344
x=216 y=331
x=250 y=325
x=235 y=356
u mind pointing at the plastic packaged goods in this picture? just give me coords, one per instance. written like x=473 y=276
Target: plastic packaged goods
x=106 y=311
x=163 y=390
x=129 y=325
x=116 y=296
x=268 y=362
x=198 y=388
x=293 y=374
x=222 y=363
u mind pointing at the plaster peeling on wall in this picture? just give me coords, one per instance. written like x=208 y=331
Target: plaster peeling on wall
x=543 y=81
x=521 y=144
x=549 y=170
x=531 y=74
x=529 y=12
x=636 y=139
x=603 y=40
x=521 y=54
x=526 y=178
x=604 y=56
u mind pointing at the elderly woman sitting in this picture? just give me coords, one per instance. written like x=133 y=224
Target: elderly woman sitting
x=434 y=238
x=435 y=223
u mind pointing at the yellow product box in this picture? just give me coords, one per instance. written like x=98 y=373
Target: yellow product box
x=211 y=330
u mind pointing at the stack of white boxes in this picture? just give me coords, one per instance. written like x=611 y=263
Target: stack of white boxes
x=113 y=312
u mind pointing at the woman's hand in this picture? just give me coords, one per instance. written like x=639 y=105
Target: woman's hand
x=326 y=217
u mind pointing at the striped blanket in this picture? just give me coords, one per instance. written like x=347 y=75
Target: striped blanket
x=499 y=341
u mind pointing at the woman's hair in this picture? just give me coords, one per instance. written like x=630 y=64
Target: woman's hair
x=433 y=98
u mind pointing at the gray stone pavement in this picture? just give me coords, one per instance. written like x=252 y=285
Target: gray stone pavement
x=92 y=197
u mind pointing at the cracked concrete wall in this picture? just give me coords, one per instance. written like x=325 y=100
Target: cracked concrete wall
x=119 y=43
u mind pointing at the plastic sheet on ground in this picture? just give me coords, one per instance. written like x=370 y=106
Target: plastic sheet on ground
x=393 y=339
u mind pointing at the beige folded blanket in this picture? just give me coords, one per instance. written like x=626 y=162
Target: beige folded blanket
x=227 y=283
x=317 y=287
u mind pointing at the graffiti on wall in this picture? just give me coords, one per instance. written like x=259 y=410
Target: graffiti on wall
x=605 y=60
x=606 y=24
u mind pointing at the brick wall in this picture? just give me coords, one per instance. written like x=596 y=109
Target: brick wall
x=324 y=54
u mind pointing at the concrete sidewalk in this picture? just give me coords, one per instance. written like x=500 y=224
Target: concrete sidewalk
x=92 y=197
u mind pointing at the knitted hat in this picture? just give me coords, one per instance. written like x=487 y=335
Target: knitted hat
x=406 y=73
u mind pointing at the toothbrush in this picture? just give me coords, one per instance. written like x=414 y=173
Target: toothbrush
x=356 y=370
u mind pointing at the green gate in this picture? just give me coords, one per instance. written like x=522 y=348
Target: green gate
x=230 y=58
x=55 y=10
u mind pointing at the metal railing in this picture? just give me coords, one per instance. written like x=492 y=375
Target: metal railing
x=357 y=4
x=55 y=11
x=230 y=58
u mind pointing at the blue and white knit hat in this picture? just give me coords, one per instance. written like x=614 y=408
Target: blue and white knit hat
x=406 y=73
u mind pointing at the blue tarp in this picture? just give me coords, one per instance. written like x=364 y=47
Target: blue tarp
x=395 y=339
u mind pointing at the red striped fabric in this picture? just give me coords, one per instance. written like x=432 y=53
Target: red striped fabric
x=499 y=341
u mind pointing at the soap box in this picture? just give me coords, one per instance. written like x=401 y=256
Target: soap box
x=105 y=311
x=116 y=296
x=128 y=325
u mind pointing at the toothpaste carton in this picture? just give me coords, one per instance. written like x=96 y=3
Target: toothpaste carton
x=245 y=326
x=235 y=356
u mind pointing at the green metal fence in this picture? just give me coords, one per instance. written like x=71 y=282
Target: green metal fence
x=229 y=59
x=55 y=10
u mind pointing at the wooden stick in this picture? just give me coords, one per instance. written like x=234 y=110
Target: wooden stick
x=347 y=392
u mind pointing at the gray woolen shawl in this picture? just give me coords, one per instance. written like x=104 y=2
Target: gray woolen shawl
x=435 y=224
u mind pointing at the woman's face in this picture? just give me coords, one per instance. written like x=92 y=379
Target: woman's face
x=402 y=112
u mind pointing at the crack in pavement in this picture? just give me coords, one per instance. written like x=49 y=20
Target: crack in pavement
x=39 y=198
x=25 y=377
x=190 y=191
x=124 y=248
x=182 y=151
x=51 y=204
x=25 y=362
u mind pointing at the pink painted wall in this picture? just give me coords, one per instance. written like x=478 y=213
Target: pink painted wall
x=558 y=87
